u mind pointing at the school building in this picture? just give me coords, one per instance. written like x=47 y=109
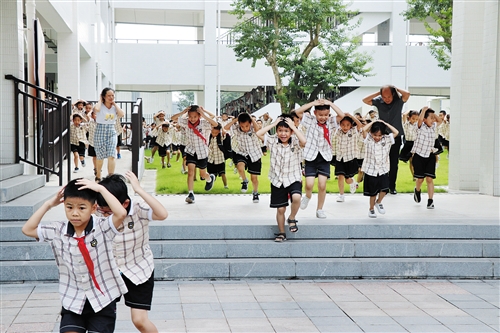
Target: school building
x=82 y=55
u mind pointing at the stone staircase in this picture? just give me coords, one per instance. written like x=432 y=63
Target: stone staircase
x=21 y=195
x=358 y=249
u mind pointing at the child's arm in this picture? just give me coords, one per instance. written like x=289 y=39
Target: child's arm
x=337 y=110
x=437 y=119
x=300 y=111
x=119 y=213
x=405 y=116
x=395 y=132
x=31 y=226
x=208 y=112
x=421 y=116
x=177 y=115
x=204 y=113
x=358 y=123
x=262 y=132
x=231 y=123
x=159 y=212
x=256 y=126
x=366 y=128
x=298 y=133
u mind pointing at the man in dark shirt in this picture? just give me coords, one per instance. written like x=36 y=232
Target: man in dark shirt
x=389 y=102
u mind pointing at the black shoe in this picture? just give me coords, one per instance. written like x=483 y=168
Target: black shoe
x=393 y=192
x=256 y=198
x=430 y=204
x=244 y=186
x=190 y=198
x=210 y=184
x=416 y=195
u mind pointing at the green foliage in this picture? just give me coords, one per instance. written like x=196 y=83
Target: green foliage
x=229 y=96
x=441 y=12
x=186 y=98
x=306 y=41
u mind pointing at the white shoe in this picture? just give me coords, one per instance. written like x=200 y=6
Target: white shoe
x=304 y=202
x=320 y=214
x=371 y=213
x=353 y=186
x=340 y=198
x=380 y=208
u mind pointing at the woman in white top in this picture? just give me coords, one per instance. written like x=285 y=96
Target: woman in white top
x=107 y=111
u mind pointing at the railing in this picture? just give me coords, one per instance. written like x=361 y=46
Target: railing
x=158 y=41
x=50 y=123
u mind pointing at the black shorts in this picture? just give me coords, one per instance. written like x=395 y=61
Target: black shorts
x=372 y=185
x=437 y=145
x=102 y=321
x=319 y=166
x=119 y=140
x=193 y=159
x=280 y=195
x=92 y=151
x=80 y=149
x=444 y=142
x=139 y=296
x=424 y=166
x=253 y=168
x=405 y=153
x=175 y=147
x=264 y=149
x=216 y=169
x=152 y=141
x=333 y=161
x=360 y=162
x=347 y=169
x=182 y=149
x=162 y=150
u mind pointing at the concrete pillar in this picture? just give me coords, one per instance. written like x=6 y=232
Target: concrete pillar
x=466 y=82
x=210 y=30
x=12 y=55
x=399 y=48
x=68 y=61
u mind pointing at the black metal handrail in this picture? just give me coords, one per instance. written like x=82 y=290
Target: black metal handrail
x=50 y=123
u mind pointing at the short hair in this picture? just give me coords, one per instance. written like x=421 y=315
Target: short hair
x=428 y=112
x=443 y=112
x=72 y=190
x=412 y=113
x=282 y=122
x=218 y=127
x=294 y=115
x=116 y=185
x=321 y=107
x=76 y=115
x=378 y=126
x=244 y=118
x=193 y=108
x=349 y=119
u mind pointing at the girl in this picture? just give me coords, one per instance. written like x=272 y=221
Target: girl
x=376 y=163
x=410 y=127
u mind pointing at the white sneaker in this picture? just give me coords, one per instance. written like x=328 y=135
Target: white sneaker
x=380 y=208
x=304 y=202
x=320 y=214
x=353 y=186
x=340 y=198
x=371 y=213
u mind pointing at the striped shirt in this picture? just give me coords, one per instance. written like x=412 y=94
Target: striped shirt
x=376 y=160
x=410 y=130
x=347 y=144
x=285 y=161
x=315 y=140
x=247 y=143
x=424 y=143
x=195 y=144
x=75 y=283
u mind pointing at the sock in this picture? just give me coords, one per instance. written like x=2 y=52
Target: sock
x=191 y=192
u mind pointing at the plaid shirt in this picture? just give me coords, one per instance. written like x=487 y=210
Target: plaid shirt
x=247 y=143
x=376 y=160
x=175 y=136
x=164 y=138
x=410 y=130
x=118 y=126
x=194 y=144
x=315 y=141
x=91 y=128
x=285 y=161
x=424 y=143
x=347 y=144
x=75 y=283
x=444 y=130
x=361 y=145
x=215 y=155
x=77 y=134
x=131 y=248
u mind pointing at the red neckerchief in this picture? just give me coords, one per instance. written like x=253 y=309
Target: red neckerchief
x=326 y=133
x=88 y=260
x=196 y=131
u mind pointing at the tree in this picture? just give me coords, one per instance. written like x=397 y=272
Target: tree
x=441 y=12
x=229 y=96
x=304 y=41
x=186 y=98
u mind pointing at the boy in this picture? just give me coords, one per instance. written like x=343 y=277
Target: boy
x=89 y=279
x=91 y=134
x=196 y=122
x=131 y=248
x=424 y=160
x=158 y=118
x=216 y=153
x=247 y=151
x=164 y=142
x=285 y=172
x=78 y=139
x=318 y=150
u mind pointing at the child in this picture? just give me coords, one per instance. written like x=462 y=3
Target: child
x=410 y=127
x=346 y=165
x=318 y=150
x=78 y=139
x=216 y=153
x=175 y=141
x=195 y=121
x=163 y=142
x=361 y=148
x=376 y=163
x=424 y=161
x=285 y=171
x=89 y=279
x=247 y=152
x=159 y=118
x=91 y=133
x=131 y=248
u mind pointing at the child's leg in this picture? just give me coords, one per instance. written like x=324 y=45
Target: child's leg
x=204 y=174
x=191 y=173
x=430 y=186
x=295 y=205
x=141 y=321
x=184 y=167
x=76 y=159
x=163 y=161
x=255 y=182
x=280 y=218
x=418 y=183
x=241 y=170
x=372 y=202
x=360 y=175
x=309 y=186
x=153 y=151
x=411 y=167
x=224 y=179
x=341 y=184
x=321 y=191
x=381 y=196
x=168 y=156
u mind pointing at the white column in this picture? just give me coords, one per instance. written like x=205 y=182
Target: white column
x=12 y=62
x=68 y=61
x=398 y=31
x=210 y=30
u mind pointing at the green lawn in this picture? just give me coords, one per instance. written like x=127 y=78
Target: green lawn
x=171 y=181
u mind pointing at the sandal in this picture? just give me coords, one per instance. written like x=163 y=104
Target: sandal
x=293 y=227
x=280 y=238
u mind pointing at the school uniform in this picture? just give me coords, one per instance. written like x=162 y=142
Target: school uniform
x=216 y=161
x=91 y=131
x=285 y=172
x=376 y=164
x=361 y=149
x=424 y=160
x=197 y=146
x=163 y=141
x=247 y=149
x=410 y=131
x=347 y=152
x=78 y=138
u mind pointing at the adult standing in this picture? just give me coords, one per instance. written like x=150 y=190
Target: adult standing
x=105 y=137
x=389 y=102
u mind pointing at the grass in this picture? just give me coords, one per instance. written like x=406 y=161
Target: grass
x=171 y=181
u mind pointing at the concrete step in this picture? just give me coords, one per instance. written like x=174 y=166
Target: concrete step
x=208 y=249
x=21 y=209
x=18 y=186
x=286 y=268
x=10 y=170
